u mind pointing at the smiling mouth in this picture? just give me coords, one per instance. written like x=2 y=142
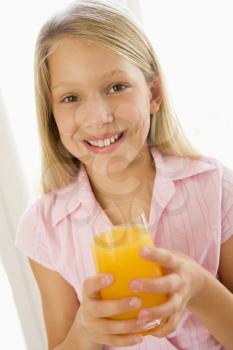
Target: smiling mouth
x=107 y=145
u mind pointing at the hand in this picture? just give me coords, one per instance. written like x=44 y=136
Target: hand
x=93 y=312
x=183 y=280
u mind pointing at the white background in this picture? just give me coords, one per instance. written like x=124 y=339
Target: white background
x=194 y=43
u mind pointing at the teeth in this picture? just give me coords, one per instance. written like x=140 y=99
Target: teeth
x=100 y=143
x=105 y=142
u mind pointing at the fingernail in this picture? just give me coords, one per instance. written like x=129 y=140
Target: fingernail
x=144 y=314
x=136 y=286
x=145 y=251
x=134 y=302
x=107 y=279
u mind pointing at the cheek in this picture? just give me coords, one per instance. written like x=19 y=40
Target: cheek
x=129 y=116
x=135 y=118
x=76 y=149
x=65 y=123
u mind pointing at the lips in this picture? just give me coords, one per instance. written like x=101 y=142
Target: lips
x=106 y=149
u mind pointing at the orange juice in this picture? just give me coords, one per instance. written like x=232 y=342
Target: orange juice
x=117 y=252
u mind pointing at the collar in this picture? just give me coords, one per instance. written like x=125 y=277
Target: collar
x=169 y=168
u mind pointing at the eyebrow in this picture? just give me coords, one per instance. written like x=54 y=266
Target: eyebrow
x=106 y=75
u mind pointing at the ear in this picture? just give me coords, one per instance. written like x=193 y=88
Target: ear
x=155 y=94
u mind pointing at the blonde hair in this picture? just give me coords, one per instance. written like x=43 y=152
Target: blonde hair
x=113 y=26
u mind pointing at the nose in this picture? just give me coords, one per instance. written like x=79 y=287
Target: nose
x=94 y=114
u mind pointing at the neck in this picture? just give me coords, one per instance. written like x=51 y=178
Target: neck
x=123 y=186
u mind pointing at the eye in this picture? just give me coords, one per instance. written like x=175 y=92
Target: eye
x=69 y=99
x=116 y=87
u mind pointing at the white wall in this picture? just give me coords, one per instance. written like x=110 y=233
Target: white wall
x=194 y=43
x=19 y=299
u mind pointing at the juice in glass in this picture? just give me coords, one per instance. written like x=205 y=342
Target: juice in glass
x=116 y=251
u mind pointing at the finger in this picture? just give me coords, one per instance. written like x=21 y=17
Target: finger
x=171 y=307
x=169 y=327
x=119 y=340
x=167 y=284
x=93 y=285
x=107 y=308
x=163 y=256
x=108 y=326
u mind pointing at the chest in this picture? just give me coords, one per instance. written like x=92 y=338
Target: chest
x=124 y=208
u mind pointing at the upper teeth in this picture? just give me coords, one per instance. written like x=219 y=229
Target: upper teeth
x=105 y=142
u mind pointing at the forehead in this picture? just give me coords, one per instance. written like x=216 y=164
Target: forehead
x=79 y=55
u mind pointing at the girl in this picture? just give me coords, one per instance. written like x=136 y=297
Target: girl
x=109 y=136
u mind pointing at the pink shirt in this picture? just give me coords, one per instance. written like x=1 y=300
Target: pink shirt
x=191 y=211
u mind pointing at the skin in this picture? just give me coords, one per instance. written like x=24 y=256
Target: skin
x=96 y=107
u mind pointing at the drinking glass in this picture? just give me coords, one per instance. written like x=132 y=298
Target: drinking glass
x=119 y=233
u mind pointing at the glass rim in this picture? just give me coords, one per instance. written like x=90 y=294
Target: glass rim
x=141 y=214
x=138 y=220
x=126 y=225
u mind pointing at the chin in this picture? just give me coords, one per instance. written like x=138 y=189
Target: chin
x=117 y=167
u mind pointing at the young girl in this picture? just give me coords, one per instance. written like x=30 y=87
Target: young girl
x=110 y=137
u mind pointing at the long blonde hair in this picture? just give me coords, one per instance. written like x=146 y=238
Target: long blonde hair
x=113 y=26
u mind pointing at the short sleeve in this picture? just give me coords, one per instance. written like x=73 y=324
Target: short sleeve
x=31 y=237
x=227 y=203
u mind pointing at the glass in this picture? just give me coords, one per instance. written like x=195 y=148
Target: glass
x=115 y=247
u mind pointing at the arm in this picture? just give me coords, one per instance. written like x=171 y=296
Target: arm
x=60 y=309
x=216 y=297
x=214 y=307
x=226 y=263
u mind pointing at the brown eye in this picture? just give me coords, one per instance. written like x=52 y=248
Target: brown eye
x=70 y=99
x=118 y=87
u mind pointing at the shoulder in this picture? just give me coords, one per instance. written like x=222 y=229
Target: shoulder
x=213 y=166
x=176 y=167
x=221 y=183
x=220 y=177
x=47 y=209
x=34 y=212
x=224 y=172
x=36 y=235
x=211 y=175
